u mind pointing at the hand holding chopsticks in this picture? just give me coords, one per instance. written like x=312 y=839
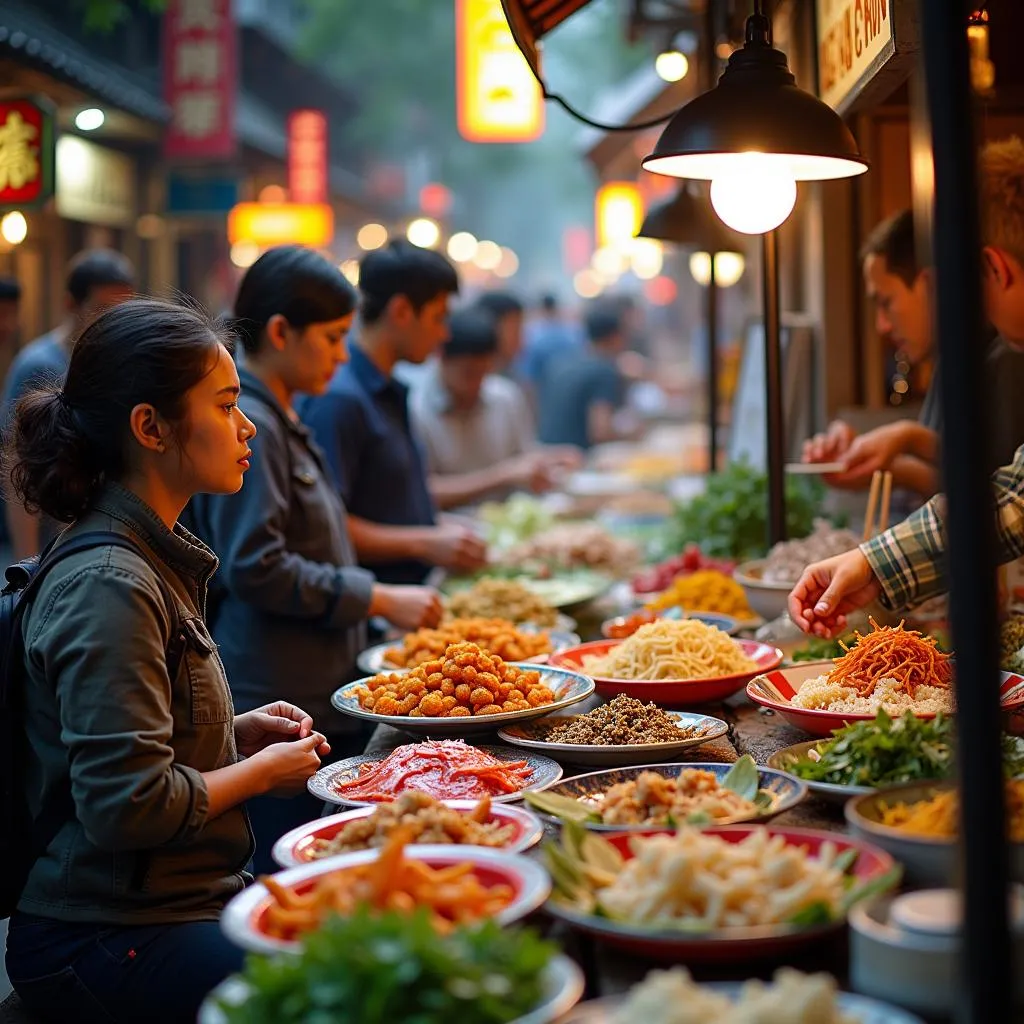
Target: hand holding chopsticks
x=881 y=488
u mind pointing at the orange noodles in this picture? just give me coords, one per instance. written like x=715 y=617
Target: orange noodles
x=892 y=652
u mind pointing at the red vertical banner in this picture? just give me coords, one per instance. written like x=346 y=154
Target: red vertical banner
x=307 y=157
x=200 y=57
x=27 y=150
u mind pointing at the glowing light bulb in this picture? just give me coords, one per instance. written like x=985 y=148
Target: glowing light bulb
x=756 y=195
x=671 y=65
x=729 y=268
x=462 y=246
x=14 y=227
x=424 y=232
x=371 y=236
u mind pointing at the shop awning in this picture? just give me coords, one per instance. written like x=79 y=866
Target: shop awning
x=531 y=20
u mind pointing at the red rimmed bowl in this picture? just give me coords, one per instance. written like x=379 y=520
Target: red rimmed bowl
x=296 y=847
x=776 y=690
x=671 y=692
x=727 y=945
x=244 y=918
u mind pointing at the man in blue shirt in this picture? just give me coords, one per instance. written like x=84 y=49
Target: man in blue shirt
x=549 y=338
x=96 y=280
x=362 y=422
x=582 y=393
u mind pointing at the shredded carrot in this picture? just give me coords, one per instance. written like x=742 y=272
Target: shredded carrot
x=892 y=652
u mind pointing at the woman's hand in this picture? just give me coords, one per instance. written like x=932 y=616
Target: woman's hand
x=827 y=591
x=285 y=767
x=272 y=723
x=408 y=608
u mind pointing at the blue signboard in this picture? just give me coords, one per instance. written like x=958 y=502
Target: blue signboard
x=195 y=194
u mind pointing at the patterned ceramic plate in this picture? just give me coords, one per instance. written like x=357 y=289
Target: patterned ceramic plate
x=299 y=845
x=694 y=730
x=568 y=687
x=321 y=785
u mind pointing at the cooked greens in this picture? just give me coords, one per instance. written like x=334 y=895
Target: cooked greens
x=374 y=968
x=817 y=649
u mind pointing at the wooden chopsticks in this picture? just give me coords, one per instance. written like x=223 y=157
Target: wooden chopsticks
x=881 y=487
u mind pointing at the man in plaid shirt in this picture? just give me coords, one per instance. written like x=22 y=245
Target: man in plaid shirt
x=906 y=565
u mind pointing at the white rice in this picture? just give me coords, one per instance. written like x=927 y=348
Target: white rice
x=822 y=695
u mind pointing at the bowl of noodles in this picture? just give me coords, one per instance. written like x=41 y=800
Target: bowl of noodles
x=889 y=667
x=918 y=823
x=673 y=662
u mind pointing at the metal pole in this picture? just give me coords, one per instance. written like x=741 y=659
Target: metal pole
x=773 y=384
x=970 y=517
x=712 y=317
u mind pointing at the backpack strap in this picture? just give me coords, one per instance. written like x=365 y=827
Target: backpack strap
x=55 y=810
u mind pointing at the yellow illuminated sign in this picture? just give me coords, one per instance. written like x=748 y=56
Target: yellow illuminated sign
x=266 y=224
x=618 y=213
x=498 y=97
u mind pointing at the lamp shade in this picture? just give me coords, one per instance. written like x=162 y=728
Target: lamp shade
x=686 y=220
x=756 y=108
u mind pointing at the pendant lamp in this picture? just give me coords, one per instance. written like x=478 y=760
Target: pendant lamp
x=754 y=136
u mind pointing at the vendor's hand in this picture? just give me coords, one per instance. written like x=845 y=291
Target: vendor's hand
x=257 y=729
x=285 y=767
x=830 y=446
x=408 y=608
x=456 y=547
x=875 y=450
x=827 y=591
x=564 y=456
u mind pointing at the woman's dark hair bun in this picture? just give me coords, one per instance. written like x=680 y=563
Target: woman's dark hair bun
x=64 y=443
x=54 y=467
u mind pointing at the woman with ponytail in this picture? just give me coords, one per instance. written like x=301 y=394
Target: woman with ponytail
x=292 y=605
x=131 y=737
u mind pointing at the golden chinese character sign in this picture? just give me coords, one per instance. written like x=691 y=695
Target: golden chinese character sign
x=618 y=213
x=200 y=69
x=499 y=99
x=27 y=146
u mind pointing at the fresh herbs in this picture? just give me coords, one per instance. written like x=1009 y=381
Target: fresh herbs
x=888 y=751
x=817 y=649
x=882 y=752
x=729 y=520
x=376 y=968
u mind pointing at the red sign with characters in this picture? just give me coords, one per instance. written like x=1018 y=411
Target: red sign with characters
x=307 y=157
x=200 y=79
x=27 y=149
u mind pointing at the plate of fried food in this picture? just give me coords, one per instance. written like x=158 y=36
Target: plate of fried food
x=456 y=884
x=430 y=822
x=506 y=639
x=466 y=690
